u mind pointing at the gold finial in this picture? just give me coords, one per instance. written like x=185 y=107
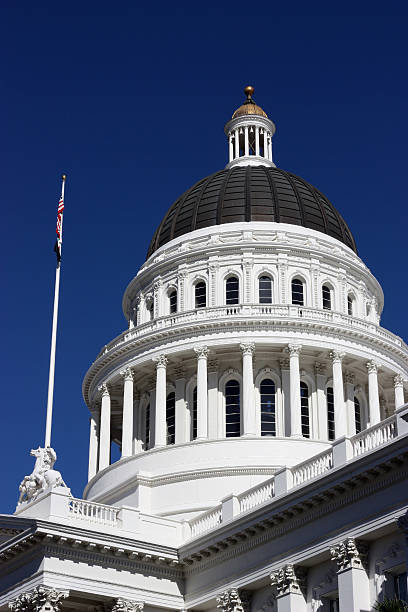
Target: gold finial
x=249 y=91
x=64 y=177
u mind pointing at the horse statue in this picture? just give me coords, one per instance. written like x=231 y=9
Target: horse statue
x=42 y=477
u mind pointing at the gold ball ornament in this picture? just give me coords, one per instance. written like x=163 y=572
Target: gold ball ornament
x=249 y=91
x=64 y=177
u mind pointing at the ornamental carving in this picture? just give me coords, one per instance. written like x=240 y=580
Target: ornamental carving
x=349 y=554
x=284 y=363
x=247 y=348
x=201 y=351
x=294 y=349
x=41 y=598
x=349 y=378
x=337 y=356
x=288 y=579
x=179 y=372
x=42 y=477
x=161 y=361
x=127 y=605
x=213 y=365
x=103 y=389
x=372 y=367
x=127 y=374
x=398 y=380
x=230 y=601
x=320 y=368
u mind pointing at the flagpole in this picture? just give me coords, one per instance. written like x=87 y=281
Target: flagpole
x=54 y=332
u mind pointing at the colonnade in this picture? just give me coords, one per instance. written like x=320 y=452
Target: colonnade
x=261 y=135
x=207 y=394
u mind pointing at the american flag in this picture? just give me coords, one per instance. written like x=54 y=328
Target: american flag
x=60 y=212
x=59 y=217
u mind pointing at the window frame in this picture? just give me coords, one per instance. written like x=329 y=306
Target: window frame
x=232 y=301
x=265 y=276
x=197 y=283
x=303 y=284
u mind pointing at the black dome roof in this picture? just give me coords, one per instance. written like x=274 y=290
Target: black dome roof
x=251 y=193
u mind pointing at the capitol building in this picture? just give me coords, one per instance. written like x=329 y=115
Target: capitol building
x=259 y=410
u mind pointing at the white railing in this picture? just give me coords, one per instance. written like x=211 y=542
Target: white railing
x=94 y=513
x=275 y=311
x=206 y=521
x=313 y=467
x=256 y=496
x=374 y=437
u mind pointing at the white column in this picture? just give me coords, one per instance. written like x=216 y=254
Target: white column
x=320 y=372
x=246 y=141
x=290 y=583
x=127 y=412
x=182 y=422
x=236 y=136
x=270 y=146
x=256 y=140
x=137 y=425
x=202 y=392
x=104 y=435
x=350 y=410
x=399 y=391
x=285 y=375
x=231 y=147
x=373 y=395
x=295 y=411
x=353 y=584
x=160 y=429
x=212 y=369
x=93 y=443
x=152 y=410
x=266 y=152
x=340 y=417
x=248 y=396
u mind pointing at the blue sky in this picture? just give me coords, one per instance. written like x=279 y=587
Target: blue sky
x=131 y=102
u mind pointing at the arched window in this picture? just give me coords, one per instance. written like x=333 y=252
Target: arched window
x=265 y=290
x=268 y=411
x=147 y=427
x=200 y=292
x=173 y=301
x=194 y=415
x=297 y=292
x=150 y=310
x=232 y=409
x=350 y=305
x=326 y=297
x=357 y=415
x=304 y=409
x=330 y=413
x=232 y=290
x=171 y=417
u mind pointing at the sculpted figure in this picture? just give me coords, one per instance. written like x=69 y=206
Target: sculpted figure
x=43 y=475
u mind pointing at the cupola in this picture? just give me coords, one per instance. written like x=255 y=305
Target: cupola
x=250 y=134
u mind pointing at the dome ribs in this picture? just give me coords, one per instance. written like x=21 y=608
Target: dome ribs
x=251 y=193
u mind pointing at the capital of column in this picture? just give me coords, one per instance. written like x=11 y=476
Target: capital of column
x=349 y=378
x=294 y=349
x=127 y=605
x=36 y=600
x=103 y=389
x=288 y=579
x=161 y=361
x=337 y=356
x=201 y=351
x=127 y=374
x=157 y=285
x=284 y=363
x=230 y=601
x=349 y=554
x=398 y=381
x=247 y=348
x=372 y=367
x=320 y=368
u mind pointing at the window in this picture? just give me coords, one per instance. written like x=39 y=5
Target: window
x=326 y=297
x=265 y=290
x=147 y=427
x=200 y=295
x=357 y=415
x=150 y=310
x=268 y=413
x=232 y=409
x=232 y=290
x=173 y=301
x=330 y=413
x=194 y=415
x=297 y=292
x=400 y=586
x=171 y=417
x=304 y=409
x=350 y=305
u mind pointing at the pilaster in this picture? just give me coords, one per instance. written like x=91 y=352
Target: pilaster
x=351 y=558
x=290 y=582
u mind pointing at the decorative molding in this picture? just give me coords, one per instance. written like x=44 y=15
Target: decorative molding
x=294 y=349
x=289 y=579
x=230 y=601
x=161 y=361
x=284 y=363
x=127 y=374
x=337 y=356
x=247 y=348
x=126 y=605
x=201 y=351
x=103 y=389
x=41 y=598
x=213 y=365
x=349 y=378
x=372 y=367
x=349 y=554
x=398 y=381
x=320 y=368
